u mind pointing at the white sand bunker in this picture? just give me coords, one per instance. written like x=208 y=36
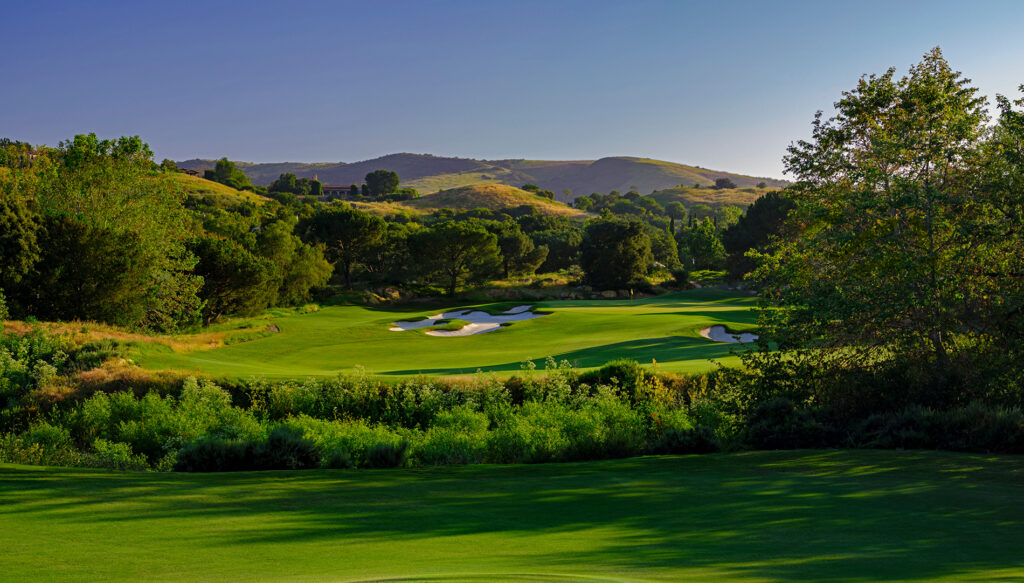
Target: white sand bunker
x=479 y=322
x=722 y=334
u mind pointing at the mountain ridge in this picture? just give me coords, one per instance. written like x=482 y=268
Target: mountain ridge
x=429 y=173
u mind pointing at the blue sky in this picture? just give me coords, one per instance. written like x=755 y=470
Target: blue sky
x=724 y=85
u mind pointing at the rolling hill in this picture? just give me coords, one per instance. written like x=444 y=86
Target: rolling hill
x=430 y=174
x=492 y=196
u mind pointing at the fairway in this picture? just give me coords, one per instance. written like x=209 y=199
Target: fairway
x=763 y=516
x=587 y=333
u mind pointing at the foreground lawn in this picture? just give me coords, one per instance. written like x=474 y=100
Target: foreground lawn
x=588 y=333
x=765 y=516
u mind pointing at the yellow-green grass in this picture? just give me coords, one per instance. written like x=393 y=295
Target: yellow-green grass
x=492 y=196
x=753 y=517
x=200 y=187
x=741 y=197
x=588 y=333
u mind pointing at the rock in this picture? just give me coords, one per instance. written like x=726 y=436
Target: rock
x=608 y=294
x=391 y=293
x=272 y=328
x=624 y=293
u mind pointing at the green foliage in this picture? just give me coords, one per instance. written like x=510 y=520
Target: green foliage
x=519 y=255
x=234 y=280
x=896 y=245
x=563 y=247
x=381 y=182
x=388 y=455
x=348 y=236
x=700 y=246
x=225 y=172
x=615 y=253
x=753 y=230
x=455 y=252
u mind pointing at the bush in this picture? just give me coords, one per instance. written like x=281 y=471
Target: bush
x=285 y=449
x=458 y=436
x=388 y=455
x=700 y=439
x=778 y=424
x=338 y=459
x=214 y=454
x=118 y=456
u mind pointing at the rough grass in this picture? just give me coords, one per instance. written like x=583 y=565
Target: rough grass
x=588 y=333
x=764 y=516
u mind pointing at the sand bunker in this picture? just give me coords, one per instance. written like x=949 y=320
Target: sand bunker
x=722 y=334
x=479 y=322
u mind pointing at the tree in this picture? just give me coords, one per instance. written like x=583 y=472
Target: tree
x=518 y=253
x=381 y=182
x=615 y=253
x=563 y=247
x=676 y=212
x=664 y=248
x=286 y=182
x=763 y=220
x=700 y=246
x=19 y=233
x=723 y=183
x=227 y=173
x=455 y=252
x=316 y=188
x=112 y=190
x=897 y=249
x=234 y=280
x=348 y=235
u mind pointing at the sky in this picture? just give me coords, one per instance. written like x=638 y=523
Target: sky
x=725 y=85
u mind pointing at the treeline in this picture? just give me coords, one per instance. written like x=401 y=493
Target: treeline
x=95 y=230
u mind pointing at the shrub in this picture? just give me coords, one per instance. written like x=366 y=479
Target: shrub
x=214 y=454
x=388 y=455
x=113 y=455
x=700 y=439
x=338 y=459
x=778 y=424
x=458 y=436
x=285 y=449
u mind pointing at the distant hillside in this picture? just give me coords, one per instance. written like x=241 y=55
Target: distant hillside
x=430 y=174
x=741 y=197
x=492 y=196
x=198 y=187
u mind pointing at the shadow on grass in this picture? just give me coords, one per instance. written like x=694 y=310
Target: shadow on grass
x=792 y=516
x=665 y=349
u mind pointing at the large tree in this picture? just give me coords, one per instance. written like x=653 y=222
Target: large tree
x=380 y=182
x=615 y=253
x=347 y=234
x=456 y=251
x=898 y=250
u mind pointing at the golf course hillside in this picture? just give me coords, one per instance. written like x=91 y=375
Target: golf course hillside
x=492 y=196
x=662 y=331
x=758 y=516
x=430 y=174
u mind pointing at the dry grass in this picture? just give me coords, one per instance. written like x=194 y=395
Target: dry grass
x=85 y=332
x=492 y=196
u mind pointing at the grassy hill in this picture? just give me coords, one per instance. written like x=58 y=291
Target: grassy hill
x=200 y=187
x=492 y=196
x=741 y=197
x=430 y=174
x=889 y=516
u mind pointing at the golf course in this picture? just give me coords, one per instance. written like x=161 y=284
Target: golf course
x=587 y=333
x=757 y=516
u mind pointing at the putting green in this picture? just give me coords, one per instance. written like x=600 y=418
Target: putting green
x=762 y=516
x=338 y=339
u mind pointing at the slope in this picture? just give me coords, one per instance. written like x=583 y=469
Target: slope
x=430 y=174
x=492 y=196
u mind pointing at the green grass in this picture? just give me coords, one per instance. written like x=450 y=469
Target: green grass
x=588 y=333
x=764 y=516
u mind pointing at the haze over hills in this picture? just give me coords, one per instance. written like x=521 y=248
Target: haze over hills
x=430 y=174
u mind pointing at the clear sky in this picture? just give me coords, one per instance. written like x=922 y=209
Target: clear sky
x=720 y=84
